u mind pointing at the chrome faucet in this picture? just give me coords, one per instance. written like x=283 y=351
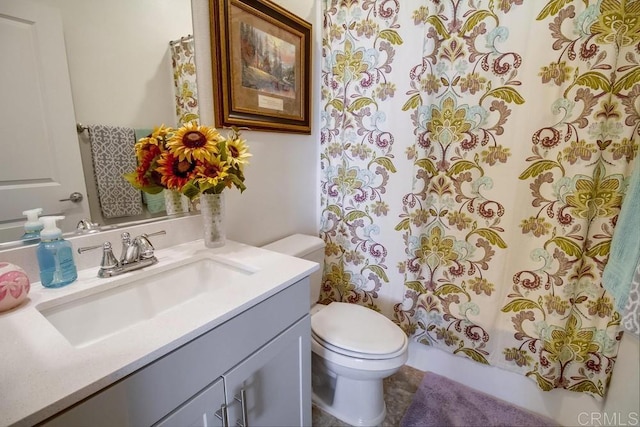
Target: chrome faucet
x=136 y=253
x=85 y=226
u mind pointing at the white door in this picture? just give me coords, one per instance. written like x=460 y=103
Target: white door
x=39 y=154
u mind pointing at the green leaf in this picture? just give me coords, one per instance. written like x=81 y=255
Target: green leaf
x=335 y=209
x=601 y=249
x=586 y=386
x=475 y=18
x=507 y=94
x=460 y=166
x=337 y=104
x=519 y=305
x=427 y=165
x=569 y=247
x=360 y=103
x=594 y=80
x=416 y=286
x=379 y=271
x=449 y=288
x=239 y=183
x=131 y=178
x=392 y=36
x=493 y=237
x=627 y=81
x=414 y=102
x=353 y=215
x=543 y=383
x=403 y=225
x=189 y=117
x=473 y=354
x=552 y=8
x=435 y=21
x=386 y=163
x=190 y=190
x=537 y=168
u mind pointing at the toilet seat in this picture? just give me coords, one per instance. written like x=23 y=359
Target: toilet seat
x=356 y=331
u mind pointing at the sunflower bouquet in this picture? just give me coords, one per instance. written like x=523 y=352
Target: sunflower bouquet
x=192 y=159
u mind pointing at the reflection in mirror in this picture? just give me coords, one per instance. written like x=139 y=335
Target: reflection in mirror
x=121 y=74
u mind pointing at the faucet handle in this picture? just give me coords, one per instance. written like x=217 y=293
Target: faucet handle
x=109 y=261
x=145 y=248
x=144 y=244
x=157 y=233
x=129 y=251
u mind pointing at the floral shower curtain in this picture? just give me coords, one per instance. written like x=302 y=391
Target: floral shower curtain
x=475 y=157
x=184 y=80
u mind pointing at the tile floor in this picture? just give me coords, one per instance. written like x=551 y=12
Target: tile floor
x=398 y=392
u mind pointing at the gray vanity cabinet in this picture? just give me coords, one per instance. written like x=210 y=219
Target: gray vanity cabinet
x=252 y=370
x=200 y=410
x=263 y=390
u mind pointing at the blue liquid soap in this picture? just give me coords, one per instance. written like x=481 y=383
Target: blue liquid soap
x=55 y=256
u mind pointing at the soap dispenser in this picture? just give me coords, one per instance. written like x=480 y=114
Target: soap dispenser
x=55 y=255
x=33 y=226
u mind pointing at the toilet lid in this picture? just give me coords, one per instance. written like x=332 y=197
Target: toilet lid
x=357 y=329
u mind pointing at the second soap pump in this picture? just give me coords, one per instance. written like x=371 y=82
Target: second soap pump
x=33 y=226
x=55 y=256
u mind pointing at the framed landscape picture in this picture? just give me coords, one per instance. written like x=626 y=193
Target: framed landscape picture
x=261 y=66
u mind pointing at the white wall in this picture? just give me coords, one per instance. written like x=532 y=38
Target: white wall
x=119 y=61
x=283 y=185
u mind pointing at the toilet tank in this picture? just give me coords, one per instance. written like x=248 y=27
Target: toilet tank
x=307 y=247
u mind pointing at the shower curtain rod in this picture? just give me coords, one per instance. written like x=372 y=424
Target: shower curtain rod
x=181 y=39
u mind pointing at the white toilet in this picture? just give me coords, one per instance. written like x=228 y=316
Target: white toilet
x=354 y=347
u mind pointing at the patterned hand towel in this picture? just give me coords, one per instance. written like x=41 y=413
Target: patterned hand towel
x=113 y=155
x=625 y=248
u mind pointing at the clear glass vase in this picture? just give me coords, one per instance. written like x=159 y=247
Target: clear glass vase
x=212 y=209
x=175 y=202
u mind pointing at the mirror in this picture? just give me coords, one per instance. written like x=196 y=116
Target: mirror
x=120 y=71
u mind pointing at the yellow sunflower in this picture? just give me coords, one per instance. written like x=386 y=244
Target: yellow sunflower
x=160 y=132
x=211 y=173
x=238 y=152
x=194 y=142
x=154 y=139
x=175 y=173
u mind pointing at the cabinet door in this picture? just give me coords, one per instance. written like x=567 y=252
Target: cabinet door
x=206 y=409
x=272 y=387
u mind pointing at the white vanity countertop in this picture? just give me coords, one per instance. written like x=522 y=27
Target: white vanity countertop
x=41 y=373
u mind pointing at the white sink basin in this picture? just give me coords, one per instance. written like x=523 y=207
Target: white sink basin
x=136 y=299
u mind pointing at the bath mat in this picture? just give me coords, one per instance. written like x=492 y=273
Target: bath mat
x=440 y=402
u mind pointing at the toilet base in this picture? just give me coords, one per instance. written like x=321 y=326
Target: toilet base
x=359 y=402
x=342 y=413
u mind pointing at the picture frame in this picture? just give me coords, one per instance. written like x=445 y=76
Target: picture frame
x=261 y=65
